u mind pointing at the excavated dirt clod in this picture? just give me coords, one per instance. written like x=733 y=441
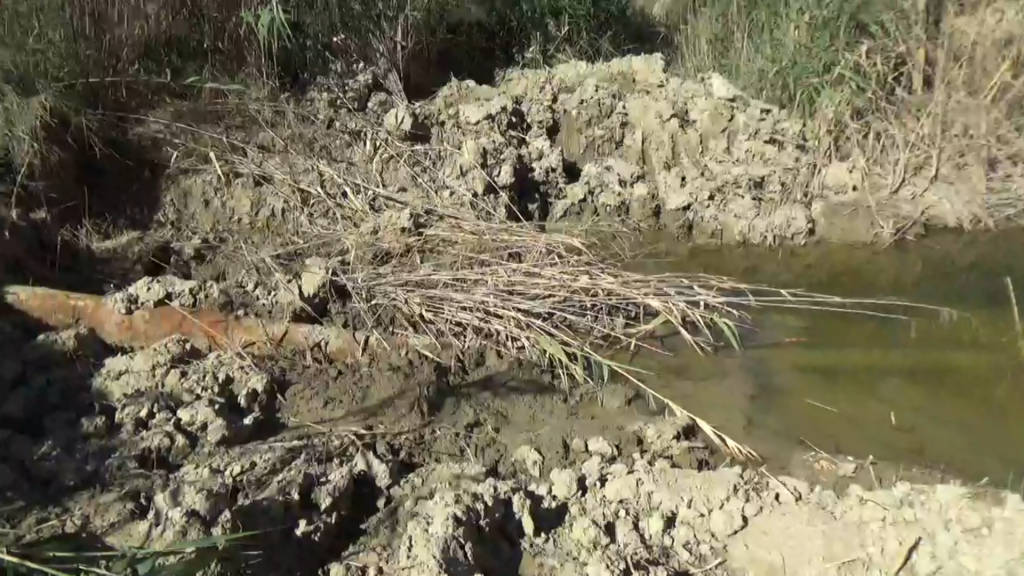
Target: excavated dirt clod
x=627 y=140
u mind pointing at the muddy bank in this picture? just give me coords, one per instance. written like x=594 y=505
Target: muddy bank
x=169 y=444
x=624 y=141
x=397 y=466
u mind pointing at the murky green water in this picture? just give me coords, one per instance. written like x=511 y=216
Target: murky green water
x=946 y=395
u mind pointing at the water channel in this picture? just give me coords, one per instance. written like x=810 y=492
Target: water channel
x=929 y=391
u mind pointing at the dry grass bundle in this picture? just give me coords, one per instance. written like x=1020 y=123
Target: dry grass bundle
x=549 y=298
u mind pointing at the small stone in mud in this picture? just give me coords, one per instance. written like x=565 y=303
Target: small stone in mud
x=143 y=371
x=70 y=343
x=592 y=469
x=530 y=459
x=521 y=506
x=840 y=177
x=626 y=535
x=157 y=446
x=621 y=488
x=564 y=483
x=725 y=522
x=96 y=425
x=587 y=533
x=209 y=418
x=378 y=103
x=150 y=292
x=578 y=445
x=600 y=447
x=315 y=278
x=655 y=527
x=541 y=489
x=721 y=88
x=401 y=122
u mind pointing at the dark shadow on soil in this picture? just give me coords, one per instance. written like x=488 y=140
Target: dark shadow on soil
x=90 y=181
x=572 y=171
x=547 y=520
x=500 y=385
x=285 y=551
x=54 y=434
x=494 y=35
x=98 y=175
x=33 y=251
x=501 y=549
x=529 y=202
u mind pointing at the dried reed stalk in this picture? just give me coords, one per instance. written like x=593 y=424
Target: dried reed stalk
x=549 y=298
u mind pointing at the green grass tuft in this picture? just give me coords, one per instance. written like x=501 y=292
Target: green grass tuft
x=69 y=557
x=805 y=55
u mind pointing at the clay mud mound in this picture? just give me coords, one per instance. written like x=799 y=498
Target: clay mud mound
x=626 y=139
x=645 y=514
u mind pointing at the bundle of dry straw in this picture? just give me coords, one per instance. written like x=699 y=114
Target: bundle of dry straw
x=550 y=298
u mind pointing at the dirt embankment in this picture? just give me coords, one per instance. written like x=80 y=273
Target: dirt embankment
x=645 y=514
x=628 y=140
x=625 y=141
x=344 y=475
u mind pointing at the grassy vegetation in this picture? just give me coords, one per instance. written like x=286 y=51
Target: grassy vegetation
x=805 y=55
x=286 y=42
x=67 y=556
x=837 y=63
x=60 y=56
x=802 y=54
x=898 y=83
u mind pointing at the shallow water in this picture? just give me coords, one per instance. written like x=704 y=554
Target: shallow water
x=932 y=392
